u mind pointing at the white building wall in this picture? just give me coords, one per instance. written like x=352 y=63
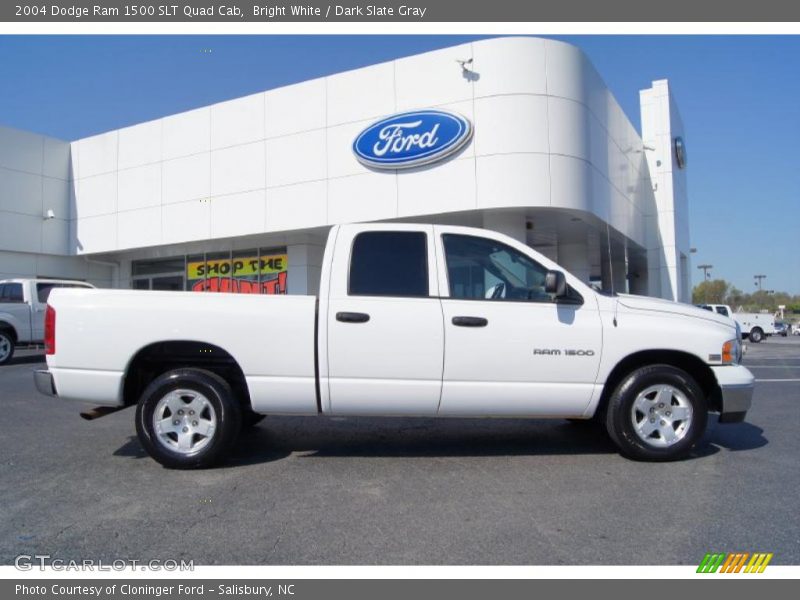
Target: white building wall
x=34 y=179
x=276 y=167
x=548 y=133
x=668 y=240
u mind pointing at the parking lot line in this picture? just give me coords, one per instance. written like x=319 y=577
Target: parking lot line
x=773 y=380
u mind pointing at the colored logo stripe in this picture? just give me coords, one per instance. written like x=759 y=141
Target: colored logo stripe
x=758 y=563
x=710 y=563
x=734 y=562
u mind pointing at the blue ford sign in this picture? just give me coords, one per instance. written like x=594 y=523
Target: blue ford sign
x=412 y=139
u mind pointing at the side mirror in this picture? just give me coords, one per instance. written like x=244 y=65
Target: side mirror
x=555 y=283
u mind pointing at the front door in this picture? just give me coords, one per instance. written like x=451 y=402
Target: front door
x=510 y=348
x=385 y=338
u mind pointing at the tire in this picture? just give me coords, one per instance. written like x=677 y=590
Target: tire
x=188 y=419
x=660 y=391
x=6 y=346
x=756 y=335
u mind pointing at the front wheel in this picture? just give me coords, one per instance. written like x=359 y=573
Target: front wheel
x=6 y=347
x=756 y=335
x=188 y=419
x=657 y=413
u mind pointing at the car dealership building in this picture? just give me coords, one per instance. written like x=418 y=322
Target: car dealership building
x=239 y=196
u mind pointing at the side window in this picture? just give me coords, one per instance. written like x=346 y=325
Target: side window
x=389 y=263
x=43 y=291
x=723 y=311
x=11 y=292
x=482 y=269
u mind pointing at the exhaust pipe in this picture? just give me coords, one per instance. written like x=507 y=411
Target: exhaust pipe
x=100 y=411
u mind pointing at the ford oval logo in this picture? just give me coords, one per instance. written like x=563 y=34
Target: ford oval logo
x=412 y=139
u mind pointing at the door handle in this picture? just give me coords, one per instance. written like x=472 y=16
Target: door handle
x=352 y=317
x=470 y=322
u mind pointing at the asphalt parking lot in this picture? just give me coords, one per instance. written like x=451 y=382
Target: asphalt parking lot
x=401 y=491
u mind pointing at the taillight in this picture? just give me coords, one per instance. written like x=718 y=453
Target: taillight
x=50 y=330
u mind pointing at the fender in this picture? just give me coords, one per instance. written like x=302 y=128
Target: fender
x=7 y=322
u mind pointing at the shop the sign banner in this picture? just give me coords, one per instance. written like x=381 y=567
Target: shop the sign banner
x=248 y=275
x=238 y=267
x=412 y=139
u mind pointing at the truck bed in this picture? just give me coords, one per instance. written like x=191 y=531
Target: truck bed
x=271 y=338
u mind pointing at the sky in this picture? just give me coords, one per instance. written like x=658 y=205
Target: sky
x=739 y=97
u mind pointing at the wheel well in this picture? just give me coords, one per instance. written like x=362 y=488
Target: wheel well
x=156 y=359
x=695 y=367
x=8 y=328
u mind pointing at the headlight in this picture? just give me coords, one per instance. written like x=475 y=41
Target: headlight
x=732 y=352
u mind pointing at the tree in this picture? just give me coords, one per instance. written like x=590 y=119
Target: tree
x=719 y=291
x=735 y=297
x=714 y=291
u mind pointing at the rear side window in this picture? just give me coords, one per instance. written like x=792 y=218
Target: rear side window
x=389 y=263
x=43 y=291
x=11 y=292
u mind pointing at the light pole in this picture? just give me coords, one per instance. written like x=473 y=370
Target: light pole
x=706 y=269
x=759 y=279
x=706 y=275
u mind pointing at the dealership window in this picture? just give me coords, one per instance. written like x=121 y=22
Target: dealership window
x=195 y=272
x=389 y=263
x=255 y=271
x=164 y=274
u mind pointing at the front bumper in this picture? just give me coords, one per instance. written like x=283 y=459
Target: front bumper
x=736 y=392
x=44 y=382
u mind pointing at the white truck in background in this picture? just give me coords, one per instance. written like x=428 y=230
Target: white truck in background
x=22 y=309
x=755 y=326
x=411 y=320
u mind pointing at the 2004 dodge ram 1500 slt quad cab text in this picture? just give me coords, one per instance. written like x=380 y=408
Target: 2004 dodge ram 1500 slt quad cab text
x=411 y=320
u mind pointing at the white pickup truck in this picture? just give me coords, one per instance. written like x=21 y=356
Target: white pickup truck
x=411 y=320
x=755 y=326
x=22 y=306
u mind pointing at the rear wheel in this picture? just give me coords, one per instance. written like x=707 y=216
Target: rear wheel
x=6 y=346
x=756 y=335
x=657 y=413
x=188 y=419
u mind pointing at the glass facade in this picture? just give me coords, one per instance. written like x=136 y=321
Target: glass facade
x=256 y=271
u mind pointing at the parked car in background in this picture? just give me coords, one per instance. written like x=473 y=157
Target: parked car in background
x=781 y=328
x=755 y=326
x=22 y=311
